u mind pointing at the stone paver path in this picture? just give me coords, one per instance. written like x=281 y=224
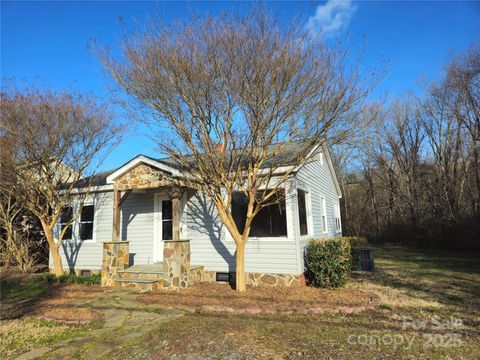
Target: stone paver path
x=125 y=320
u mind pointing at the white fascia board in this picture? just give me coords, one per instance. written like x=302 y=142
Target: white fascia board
x=92 y=189
x=332 y=170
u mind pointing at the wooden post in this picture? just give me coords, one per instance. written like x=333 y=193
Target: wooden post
x=116 y=215
x=176 y=214
x=118 y=199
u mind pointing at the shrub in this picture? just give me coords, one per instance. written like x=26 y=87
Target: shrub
x=45 y=277
x=69 y=279
x=328 y=262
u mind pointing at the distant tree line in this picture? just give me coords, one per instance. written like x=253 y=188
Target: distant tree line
x=413 y=175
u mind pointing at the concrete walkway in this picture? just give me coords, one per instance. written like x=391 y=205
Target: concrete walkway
x=125 y=320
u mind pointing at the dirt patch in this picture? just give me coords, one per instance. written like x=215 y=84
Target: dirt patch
x=63 y=304
x=220 y=298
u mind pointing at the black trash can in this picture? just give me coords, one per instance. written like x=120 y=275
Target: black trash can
x=365 y=258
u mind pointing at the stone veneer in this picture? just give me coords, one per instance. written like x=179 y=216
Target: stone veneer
x=177 y=271
x=142 y=176
x=196 y=275
x=115 y=258
x=264 y=279
x=176 y=263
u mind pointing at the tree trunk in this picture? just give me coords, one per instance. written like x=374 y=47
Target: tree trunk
x=240 y=285
x=57 y=261
x=54 y=248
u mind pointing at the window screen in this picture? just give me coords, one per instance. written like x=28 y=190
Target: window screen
x=271 y=221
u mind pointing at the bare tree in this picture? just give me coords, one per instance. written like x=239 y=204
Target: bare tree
x=229 y=95
x=55 y=141
x=421 y=169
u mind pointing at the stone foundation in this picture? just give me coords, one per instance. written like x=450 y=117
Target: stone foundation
x=177 y=271
x=263 y=279
x=196 y=275
x=115 y=258
x=176 y=263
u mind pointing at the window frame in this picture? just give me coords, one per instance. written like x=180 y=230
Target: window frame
x=80 y=222
x=60 y=225
x=308 y=212
x=75 y=205
x=323 y=205
x=338 y=218
x=289 y=219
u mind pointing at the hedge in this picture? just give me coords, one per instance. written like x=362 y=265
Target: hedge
x=329 y=261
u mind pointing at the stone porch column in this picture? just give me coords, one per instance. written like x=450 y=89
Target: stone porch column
x=115 y=258
x=176 y=262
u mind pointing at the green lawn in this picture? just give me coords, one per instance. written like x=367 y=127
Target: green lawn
x=429 y=286
x=19 y=331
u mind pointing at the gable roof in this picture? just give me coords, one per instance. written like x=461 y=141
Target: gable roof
x=287 y=158
x=142 y=159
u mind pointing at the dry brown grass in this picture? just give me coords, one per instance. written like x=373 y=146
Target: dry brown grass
x=62 y=305
x=21 y=335
x=279 y=298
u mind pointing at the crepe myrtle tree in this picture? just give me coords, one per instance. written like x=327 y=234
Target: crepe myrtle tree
x=227 y=96
x=55 y=141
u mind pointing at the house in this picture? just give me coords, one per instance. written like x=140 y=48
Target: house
x=137 y=207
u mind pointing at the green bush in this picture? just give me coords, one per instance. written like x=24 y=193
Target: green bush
x=328 y=262
x=69 y=279
x=48 y=277
x=89 y=280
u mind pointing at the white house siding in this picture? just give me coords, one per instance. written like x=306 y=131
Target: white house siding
x=316 y=178
x=88 y=254
x=202 y=226
x=210 y=247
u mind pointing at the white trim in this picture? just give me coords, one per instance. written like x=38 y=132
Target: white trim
x=308 y=211
x=92 y=189
x=76 y=224
x=94 y=229
x=337 y=216
x=332 y=169
x=138 y=160
x=157 y=228
x=323 y=205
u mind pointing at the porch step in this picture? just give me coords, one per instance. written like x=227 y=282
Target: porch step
x=139 y=283
x=137 y=280
x=148 y=269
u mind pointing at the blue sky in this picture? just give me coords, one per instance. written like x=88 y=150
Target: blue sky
x=45 y=42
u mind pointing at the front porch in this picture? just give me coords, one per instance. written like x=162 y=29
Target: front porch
x=171 y=267
x=174 y=273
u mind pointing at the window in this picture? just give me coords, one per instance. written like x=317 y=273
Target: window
x=86 y=222
x=324 y=214
x=167 y=220
x=271 y=221
x=65 y=218
x=302 y=211
x=338 y=224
